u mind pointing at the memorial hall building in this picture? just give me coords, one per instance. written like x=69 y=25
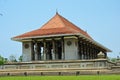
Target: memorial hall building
x=58 y=48
x=59 y=39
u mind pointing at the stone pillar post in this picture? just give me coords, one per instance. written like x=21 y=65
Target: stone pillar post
x=44 y=50
x=87 y=51
x=39 y=50
x=80 y=49
x=62 y=42
x=32 y=52
x=36 y=51
x=105 y=54
x=78 y=42
x=53 y=50
x=96 y=53
x=90 y=51
x=83 y=50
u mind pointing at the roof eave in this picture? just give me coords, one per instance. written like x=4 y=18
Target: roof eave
x=44 y=36
x=95 y=42
x=55 y=35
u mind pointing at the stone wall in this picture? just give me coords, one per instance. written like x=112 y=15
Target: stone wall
x=67 y=64
x=27 y=51
x=71 y=49
x=59 y=67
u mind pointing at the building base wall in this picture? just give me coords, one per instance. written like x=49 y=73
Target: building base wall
x=59 y=67
x=59 y=64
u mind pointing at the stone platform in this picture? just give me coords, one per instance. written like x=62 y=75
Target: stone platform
x=58 y=67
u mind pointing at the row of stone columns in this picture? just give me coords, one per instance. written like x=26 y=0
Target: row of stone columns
x=87 y=50
x=35 y=47
x=38 y=54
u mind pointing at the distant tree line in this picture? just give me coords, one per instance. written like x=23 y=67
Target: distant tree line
x=2 y=60
x=11 y=58
x=113 y=59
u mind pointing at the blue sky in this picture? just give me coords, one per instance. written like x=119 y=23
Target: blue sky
x=100 y=18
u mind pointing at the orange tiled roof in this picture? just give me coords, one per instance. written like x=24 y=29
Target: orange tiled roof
x=57 y=25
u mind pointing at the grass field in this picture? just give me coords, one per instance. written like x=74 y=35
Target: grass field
x=82 y=77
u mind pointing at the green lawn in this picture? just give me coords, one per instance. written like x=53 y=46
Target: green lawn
x=82 y=77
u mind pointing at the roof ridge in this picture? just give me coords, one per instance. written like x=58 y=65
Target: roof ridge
x=57 y=15
x=62 y=19
x=69 y=21
x=71 y=28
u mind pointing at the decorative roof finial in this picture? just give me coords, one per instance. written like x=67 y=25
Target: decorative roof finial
x=56 y=11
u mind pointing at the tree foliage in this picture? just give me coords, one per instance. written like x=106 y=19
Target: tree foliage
x=12 y=58
x=112 y=59
x=2 y=60
x=20 y=58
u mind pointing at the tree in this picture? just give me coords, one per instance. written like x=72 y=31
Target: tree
x=112 y=59
x=2 y=61
x=20 y=58
x=12 y=58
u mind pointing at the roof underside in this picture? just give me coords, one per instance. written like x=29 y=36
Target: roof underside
x=57 y=26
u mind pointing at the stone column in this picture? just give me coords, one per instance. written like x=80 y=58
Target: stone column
x=96 y=53
x=32 y=52
x=86 y=54
x=40 y=56
x=53 y=50
x=93 y=53
x=39 y=52
x=78 y=42
x=44 y=50
x=87 y=51
x=80 y=49
x=62 y=42
x=83 y=50
x=105 y=54
x=36 y=51
x=90 y=51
